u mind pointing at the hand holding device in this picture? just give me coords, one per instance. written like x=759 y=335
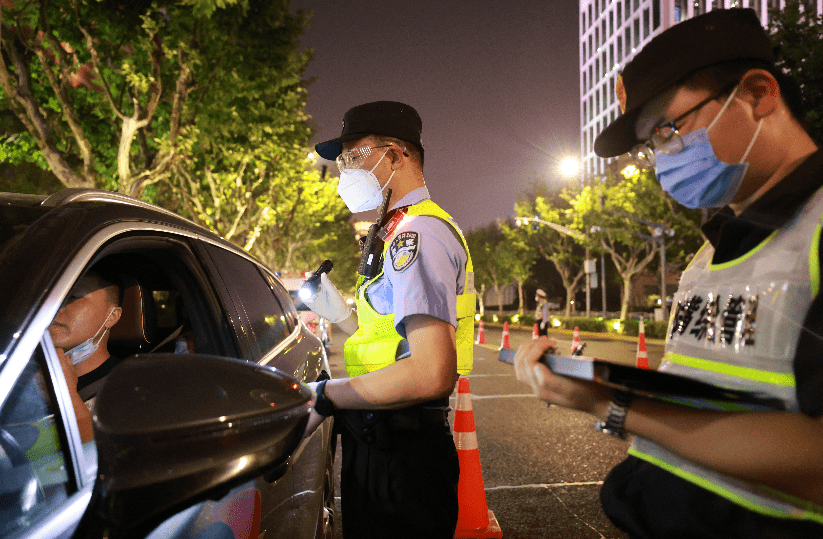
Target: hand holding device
x=326 y=301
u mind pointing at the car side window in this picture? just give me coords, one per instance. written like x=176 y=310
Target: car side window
x=33 y=461
x=285 y=299
x=267 y=319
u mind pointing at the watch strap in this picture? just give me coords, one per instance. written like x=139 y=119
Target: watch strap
x=616 y=418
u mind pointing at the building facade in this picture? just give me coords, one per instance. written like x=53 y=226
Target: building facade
x=611 y=32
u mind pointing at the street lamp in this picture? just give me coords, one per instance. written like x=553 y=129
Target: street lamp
x=570 y=167
x=520 y=221
x=588 y=265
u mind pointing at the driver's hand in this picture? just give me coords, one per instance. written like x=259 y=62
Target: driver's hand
x=81 y=412
x=68 y=369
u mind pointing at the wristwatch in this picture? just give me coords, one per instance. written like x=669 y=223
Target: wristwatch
x=616 y=417
x=322 y=405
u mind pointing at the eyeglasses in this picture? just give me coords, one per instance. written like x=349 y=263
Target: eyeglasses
x=665 y=138
x=356 y=157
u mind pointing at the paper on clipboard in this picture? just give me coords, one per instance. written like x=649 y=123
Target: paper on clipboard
x=646 y=382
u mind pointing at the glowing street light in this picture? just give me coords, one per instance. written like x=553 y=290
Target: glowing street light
x=569 y=167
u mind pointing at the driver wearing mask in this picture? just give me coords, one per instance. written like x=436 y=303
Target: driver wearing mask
x=80 y=333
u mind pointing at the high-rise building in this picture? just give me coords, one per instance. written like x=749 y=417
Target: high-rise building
x=612 y=31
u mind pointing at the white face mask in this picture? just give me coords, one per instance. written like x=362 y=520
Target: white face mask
x=360 y=189
x=85 y=349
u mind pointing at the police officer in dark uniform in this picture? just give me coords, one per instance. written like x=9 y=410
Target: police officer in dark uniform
x=704 y=105
x=410 y=337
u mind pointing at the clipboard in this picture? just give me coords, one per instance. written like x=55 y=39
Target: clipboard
x=646 y=382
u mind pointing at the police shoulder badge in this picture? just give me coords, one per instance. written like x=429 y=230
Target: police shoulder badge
x=403 y=250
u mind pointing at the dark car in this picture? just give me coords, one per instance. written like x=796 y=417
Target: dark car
x=205 y=444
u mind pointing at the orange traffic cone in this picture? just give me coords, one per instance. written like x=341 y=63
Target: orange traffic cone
x=575 y=339
x=474 y=518
x=481 y=334
x=535 y=332
x=505 y=342
x=642 y=355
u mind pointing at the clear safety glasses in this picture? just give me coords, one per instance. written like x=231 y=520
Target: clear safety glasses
x=355 y=158
x=665 y=138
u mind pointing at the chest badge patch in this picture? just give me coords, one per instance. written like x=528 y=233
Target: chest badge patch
x=403 y=250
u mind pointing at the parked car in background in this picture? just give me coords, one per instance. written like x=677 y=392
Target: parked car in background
x=200 y=445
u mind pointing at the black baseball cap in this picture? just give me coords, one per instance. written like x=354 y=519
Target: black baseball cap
x=383 y=118
x=721 y=35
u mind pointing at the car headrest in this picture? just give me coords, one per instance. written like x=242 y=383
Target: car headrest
x=137 y=327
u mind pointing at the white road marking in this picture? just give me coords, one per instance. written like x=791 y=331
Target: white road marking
x=545 y=485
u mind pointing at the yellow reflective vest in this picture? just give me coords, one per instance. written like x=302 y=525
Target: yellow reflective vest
x=376 y=343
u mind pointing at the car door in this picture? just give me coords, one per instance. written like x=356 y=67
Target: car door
x=51 y=474
x=47 y=473
x=267 y=322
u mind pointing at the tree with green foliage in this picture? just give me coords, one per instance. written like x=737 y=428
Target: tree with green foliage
x=797 y=33
x=491 y=260
x=564 y=251
x=617 y=226
x=306 y=223
x=519 y=258
x=195 y=105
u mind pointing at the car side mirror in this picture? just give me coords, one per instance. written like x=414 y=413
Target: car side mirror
x=175 y=429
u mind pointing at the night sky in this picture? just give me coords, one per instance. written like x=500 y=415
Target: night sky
x=496 y=84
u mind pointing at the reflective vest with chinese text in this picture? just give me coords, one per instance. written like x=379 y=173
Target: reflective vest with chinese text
x=736 y=324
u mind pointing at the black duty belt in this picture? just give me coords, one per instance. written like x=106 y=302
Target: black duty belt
x=376 y=426
x=416 y=418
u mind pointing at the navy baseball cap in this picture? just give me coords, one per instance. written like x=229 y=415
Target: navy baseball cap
x=721 y=35
x=383 y=118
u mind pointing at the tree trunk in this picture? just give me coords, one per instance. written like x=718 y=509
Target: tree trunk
x=520 y=311
x=627 y=293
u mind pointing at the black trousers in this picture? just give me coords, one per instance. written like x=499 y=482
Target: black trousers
x=541 y=329
x=648 y=502
x=404 y=484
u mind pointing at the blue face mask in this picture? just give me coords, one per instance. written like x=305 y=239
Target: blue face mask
x=695 y=177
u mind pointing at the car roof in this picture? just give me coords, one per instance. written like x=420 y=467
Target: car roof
x=60 y=225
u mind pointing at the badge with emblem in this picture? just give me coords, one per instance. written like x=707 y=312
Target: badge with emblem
x=403 y=250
